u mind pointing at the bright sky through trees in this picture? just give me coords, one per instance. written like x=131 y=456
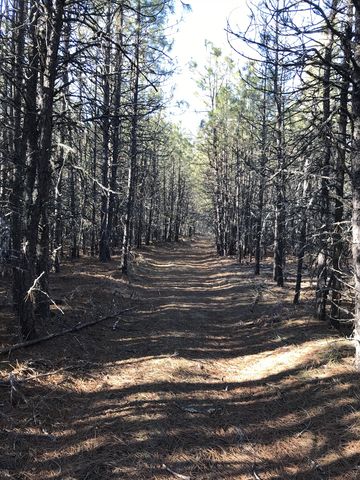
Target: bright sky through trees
x=207 y=20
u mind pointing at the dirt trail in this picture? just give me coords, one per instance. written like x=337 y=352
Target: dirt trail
x=216 y=375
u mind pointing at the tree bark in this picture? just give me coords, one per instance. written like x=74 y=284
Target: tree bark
x=356 y=185
x=131 y=195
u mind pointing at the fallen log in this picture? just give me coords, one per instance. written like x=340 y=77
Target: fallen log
x=76 y=328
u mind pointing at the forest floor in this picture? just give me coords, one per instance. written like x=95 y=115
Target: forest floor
x=213 y=375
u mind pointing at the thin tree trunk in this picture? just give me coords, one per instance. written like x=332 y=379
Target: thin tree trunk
x=356 y=186
x=116 y=126
x=323 y=256
x=104 y=245
x=262 y=178
x=336 y=282
x=302 y=235
x=279 y=239
x=131 y=196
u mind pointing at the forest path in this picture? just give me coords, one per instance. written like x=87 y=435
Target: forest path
x=216 y=375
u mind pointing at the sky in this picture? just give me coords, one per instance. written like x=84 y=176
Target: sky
x=207 y=20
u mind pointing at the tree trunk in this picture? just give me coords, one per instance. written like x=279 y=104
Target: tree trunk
x=131 y=195
x=279 y=238
x=116 y=127
x=104 y=245
x=336 y=281
x=323 y=257
x=302 y=234
x=356 y=186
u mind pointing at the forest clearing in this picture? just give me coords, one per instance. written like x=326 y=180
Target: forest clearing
x=214 y=375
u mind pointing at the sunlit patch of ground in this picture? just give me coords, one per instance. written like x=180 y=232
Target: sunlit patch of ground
x=214 y=375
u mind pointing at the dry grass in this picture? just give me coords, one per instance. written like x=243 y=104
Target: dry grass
x=201 y=380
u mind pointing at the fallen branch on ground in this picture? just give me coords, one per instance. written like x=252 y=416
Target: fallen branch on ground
x=178 y=475
x=7 y=383
x=77 y=327
x=4 y=383
x=204 y=411
x=256 y=475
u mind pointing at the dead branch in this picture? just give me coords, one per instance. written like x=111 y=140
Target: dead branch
x=15 y=393
x=256 y=476
x=77 y=327
x=29 y=294
x=178 y=475
x=204 y=411
x=257 y=298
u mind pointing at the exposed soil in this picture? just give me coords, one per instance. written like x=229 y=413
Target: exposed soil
x=214 y=375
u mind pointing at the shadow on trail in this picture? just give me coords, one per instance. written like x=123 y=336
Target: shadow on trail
x=226 y=404
x=113 y=433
